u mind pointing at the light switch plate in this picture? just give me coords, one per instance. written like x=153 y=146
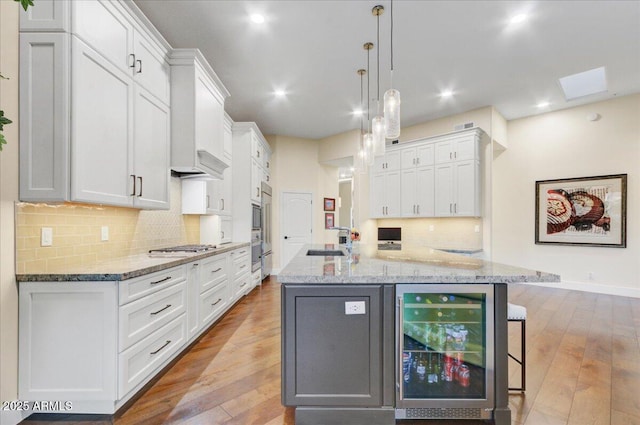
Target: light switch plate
x=46 y=236
x=104 y=233
x=354 y=307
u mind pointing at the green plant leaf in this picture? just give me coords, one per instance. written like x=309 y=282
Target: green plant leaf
x=2 y=141
x=3 y=77
x=3 y=120
x=26 y=3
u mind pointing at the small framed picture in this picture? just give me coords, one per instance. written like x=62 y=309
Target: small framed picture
x=589 y=211
x=329 y=204
x=328 y=220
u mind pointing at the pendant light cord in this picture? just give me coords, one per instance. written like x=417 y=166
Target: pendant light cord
x=368 y=89
x=378 y=66
x=391 y=43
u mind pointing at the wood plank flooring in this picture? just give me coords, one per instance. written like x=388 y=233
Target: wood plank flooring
x=583 y=367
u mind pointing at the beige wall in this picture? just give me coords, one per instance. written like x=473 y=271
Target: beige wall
x=443 y=233
x=8 y=195
x=77 y=232
x=296 y=168
x=565 y=144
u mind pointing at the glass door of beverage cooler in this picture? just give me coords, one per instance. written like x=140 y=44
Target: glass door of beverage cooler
x=445 y=351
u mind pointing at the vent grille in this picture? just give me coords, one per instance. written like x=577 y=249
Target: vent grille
x=444 y=413
x=464 y=126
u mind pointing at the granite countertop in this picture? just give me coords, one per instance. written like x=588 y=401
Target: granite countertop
x=122 y=268
x=367 y=264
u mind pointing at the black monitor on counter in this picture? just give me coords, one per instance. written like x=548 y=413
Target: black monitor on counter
x=390 y=234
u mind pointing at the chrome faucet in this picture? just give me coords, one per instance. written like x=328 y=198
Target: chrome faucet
x=349 y=244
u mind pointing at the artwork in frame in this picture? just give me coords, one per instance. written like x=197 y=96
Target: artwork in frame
x=329 y=204
x=328 y=220
x=588 y=211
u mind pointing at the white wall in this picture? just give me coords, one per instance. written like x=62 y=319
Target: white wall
x=565 y=144
x=296 y=168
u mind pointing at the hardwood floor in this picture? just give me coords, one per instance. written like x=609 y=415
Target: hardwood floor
x=583 y=367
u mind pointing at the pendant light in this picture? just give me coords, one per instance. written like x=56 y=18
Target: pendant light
x=377 y=125
x=359 y=160
x=369 y=156
x=392 y=100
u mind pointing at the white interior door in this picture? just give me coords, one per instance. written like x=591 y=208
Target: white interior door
x=296 y=225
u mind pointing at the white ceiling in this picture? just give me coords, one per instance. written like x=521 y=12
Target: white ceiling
x=312 y=50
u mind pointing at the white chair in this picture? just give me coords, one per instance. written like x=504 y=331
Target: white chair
x=518 y=313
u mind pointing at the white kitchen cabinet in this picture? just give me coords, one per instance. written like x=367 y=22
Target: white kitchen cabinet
x=390 y=161
x=417 y=156
x=385 y=195
x=197 y=118
x=226 y=229
x=417 y=192
x=88 y=116
x=457 y=190
x=193 y=299
x=457 y=147
x=256 y=181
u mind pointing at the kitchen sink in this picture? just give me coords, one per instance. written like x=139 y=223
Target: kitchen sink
x=325 y=252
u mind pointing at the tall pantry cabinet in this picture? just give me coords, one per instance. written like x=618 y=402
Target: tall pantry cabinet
x=95 y=105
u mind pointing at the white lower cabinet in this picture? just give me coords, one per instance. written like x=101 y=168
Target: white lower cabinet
x=97 y=344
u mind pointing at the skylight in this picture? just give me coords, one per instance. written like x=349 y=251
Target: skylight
x=584 y=83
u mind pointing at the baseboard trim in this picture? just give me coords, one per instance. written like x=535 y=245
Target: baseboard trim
x=13 y=417
x=591 y=287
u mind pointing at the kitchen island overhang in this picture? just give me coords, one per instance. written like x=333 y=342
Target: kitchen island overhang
x=331 y=373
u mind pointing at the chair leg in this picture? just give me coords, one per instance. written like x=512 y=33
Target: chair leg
x=522 y=360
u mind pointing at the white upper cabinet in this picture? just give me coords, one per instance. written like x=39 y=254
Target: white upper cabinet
x=97 y=129
x=457 y=148
x=197 y=118
x=390 y=161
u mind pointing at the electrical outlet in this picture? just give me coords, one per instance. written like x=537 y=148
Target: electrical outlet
x=104 y=233
x=477 y=228
x=46 y=236
x=431 y=227
x=354 y=307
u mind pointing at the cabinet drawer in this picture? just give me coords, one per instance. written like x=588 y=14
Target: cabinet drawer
x=133 y=289
x=144 y=316
x=142 y=359
x=241 y=285
x=213 y=303
x=241 y=264
x=213 y=272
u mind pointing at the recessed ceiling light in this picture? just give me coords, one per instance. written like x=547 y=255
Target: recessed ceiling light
x=543 y=105
x=584 y=83
x=257 y=18
x=358 y=112
x=280 y=93
x=446 y=93
x=518 y=19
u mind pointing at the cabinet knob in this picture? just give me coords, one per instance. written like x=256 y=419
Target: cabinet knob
x=286 y=237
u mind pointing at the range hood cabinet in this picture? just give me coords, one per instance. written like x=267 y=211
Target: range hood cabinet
x=207 y=167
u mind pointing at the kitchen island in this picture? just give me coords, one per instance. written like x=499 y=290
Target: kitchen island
x=348 y=356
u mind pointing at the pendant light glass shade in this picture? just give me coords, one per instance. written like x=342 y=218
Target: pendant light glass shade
x=378 y=136
x=369 y=156
x=392 y=114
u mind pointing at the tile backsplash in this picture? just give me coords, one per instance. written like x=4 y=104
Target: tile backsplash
x=442 y=233
x=77 y=232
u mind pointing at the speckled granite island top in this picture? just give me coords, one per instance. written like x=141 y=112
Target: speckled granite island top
x=367 y=264
x=122 y=268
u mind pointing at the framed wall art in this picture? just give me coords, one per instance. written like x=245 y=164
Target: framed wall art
x=329 y=204
x=582 y=211
x=328 y=220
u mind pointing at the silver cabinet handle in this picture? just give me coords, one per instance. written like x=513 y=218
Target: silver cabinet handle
x=400 y=341
x=418 y=208
x=133 y=192
x=160 y=349
x=455 y=207
x=161 y=280
x=153 y=313
x=208 y=203
x=219 y=299
x=244 y=265
x=216 y=270
x=139 y=62
x=417 y=160
x=242 y=252
x=140 y=178
x=222 y=232
x=222 y=200
x=414 y=209
x=133 y=60
x=450 y=208
x=244 y=284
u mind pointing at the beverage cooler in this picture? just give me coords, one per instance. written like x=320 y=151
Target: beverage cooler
x=445 y=351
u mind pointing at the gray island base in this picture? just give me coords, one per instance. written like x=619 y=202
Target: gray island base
x=372 y=336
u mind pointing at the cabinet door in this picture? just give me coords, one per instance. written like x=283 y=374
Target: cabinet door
x=226 y=229
x=408 y=158
x=425 y=192
x=193 y=298
x=408 y=195
x=209 y=111
x=467 y=201
x=214 y=196
x=425 y=155
x=102 y=25
x=393 y=193
x=150 y=69
x=465 y=148
x=392 y=160
x=151 y=151
x=444 y=190
x=343 y=367
x=226 y=192
x=443 y=152
x=101 y=129
x=377 y=195
x=256 y=180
